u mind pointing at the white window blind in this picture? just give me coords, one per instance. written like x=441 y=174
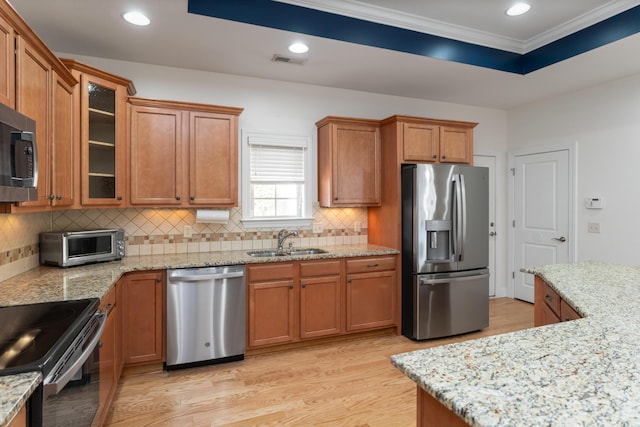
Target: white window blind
x=277 y=163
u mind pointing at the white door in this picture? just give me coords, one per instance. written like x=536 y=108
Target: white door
x=541 y=212
x=490 y=162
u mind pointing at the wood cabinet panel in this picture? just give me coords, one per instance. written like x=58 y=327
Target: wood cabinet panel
x=456 y=145
x=320 y=305
x=213 y=159
x=20 y=420
x=549 y=307
x=33 y=87
x=349 y=162
x=421 y=142
x=197 y=146
x=7 y=63
x=156 y=150
x=63 y=145
x=143 y=317
x=371 y=264
x=109 y=374
x=272 y=313
x=371 y=300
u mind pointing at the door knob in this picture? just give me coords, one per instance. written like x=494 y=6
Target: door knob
x=560 y=239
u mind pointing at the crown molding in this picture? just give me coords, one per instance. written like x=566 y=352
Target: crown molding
x=394 y=18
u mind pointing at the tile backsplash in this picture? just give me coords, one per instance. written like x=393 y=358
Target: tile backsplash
x=159 y=231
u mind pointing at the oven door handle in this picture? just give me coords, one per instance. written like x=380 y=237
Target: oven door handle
x=53 y=388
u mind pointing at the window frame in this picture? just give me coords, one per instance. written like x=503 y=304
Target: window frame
x=280 y=140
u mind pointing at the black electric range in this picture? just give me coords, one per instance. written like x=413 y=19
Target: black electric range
x=33 y=336
x=59 y=339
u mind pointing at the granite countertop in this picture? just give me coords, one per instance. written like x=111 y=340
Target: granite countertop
x=14 y=392
x=580 y=373
x=44 y=284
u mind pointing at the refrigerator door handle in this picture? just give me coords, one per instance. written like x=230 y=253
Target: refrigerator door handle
x=450 y=279
x=459 y=217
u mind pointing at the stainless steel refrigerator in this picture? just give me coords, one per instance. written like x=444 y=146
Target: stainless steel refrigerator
x=445 y=246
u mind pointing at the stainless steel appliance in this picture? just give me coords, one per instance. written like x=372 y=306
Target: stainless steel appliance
x=206 y=309
x=18 y=157
x=71 y=248
x=60 y=339
x=445 y=246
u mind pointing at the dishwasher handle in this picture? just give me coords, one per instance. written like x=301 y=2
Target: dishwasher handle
x=202 y=277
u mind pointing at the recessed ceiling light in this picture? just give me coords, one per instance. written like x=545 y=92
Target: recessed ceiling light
x=299 y=48
x=518 y=9
x=136 y=18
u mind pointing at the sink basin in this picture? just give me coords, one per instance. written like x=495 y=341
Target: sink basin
x=267 y=253
x=291 y=252
x=307 y=251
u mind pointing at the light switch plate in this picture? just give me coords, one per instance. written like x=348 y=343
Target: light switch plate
x=187 y=231
x=593 y=227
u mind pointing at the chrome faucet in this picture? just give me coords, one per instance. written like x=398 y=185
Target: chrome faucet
x=282 y=236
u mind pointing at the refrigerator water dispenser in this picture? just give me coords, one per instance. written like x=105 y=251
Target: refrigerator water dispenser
x=438 y=240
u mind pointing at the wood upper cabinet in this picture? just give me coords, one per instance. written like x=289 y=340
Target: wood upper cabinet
x=183 y=154
x=349 y=162
x=549 y=307
x=38 y=85
x=7 y=63
x=422 y=140
x=100 y=111
x=143 y=318
x=371 y=293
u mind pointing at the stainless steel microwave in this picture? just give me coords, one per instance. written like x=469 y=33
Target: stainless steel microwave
x=71 y=248
x=18 y=157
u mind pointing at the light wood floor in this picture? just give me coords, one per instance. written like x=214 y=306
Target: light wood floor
x=347 y=384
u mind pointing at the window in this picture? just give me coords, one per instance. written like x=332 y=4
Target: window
x=276 y=172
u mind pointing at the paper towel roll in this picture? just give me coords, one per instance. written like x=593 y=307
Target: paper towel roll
x=210 y=216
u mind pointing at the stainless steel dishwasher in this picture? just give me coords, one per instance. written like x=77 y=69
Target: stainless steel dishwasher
x=205 y=315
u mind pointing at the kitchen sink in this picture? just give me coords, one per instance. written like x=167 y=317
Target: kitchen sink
x=288 y=252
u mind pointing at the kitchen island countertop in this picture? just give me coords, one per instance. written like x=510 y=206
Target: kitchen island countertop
x=43 y=284
x=584 y=372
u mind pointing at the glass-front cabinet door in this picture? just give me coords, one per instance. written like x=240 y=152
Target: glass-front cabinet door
x=103 y=142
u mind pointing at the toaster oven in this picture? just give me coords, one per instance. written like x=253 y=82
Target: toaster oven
x=71 y=248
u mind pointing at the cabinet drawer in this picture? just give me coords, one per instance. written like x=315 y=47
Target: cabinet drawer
x=567 y=312
x=552 y=299
x=367 y=265
x=319 y=268
x=275 y=271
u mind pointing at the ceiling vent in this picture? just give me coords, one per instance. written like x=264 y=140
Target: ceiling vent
x=288 y=60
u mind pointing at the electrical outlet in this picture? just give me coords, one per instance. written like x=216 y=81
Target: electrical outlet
x=187 y=231
x=317 y=227
x=593 y=227
x=357 y=226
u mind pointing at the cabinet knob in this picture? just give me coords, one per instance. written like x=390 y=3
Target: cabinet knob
x=548 y=298
x=291 y=286
x=158 y=279
x=304 y=285
x=335 y=198
x=51 y=197
x=435 y=156
x=444 y=157
x=177 y=197
x=119 y=198
x=59 y=197
x=349 y=281
x=192 y=198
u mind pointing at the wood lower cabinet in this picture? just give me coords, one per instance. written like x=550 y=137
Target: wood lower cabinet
x=349 y=162
x=183 y=154
x=110 y=352
x=20 y=420
x=143 y=317
x=320 y=298
x=272 y=308
x=549 y=307
x=371 y=293
x=303 y=300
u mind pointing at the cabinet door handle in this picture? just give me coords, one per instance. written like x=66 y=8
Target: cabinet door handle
x=444 y=157
x=372 y=265
x=192 y=198
x=119 y=197
x=59 y=197
x=304 y=285
x=51 y=197
x=435 y=156
x=177 y=197
x=291 y=286
x=335 y=198
x=349 y=281
x=548 y=298
x=158 y=279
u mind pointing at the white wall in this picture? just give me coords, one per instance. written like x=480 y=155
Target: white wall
x=605 y=122
x=295 y=108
